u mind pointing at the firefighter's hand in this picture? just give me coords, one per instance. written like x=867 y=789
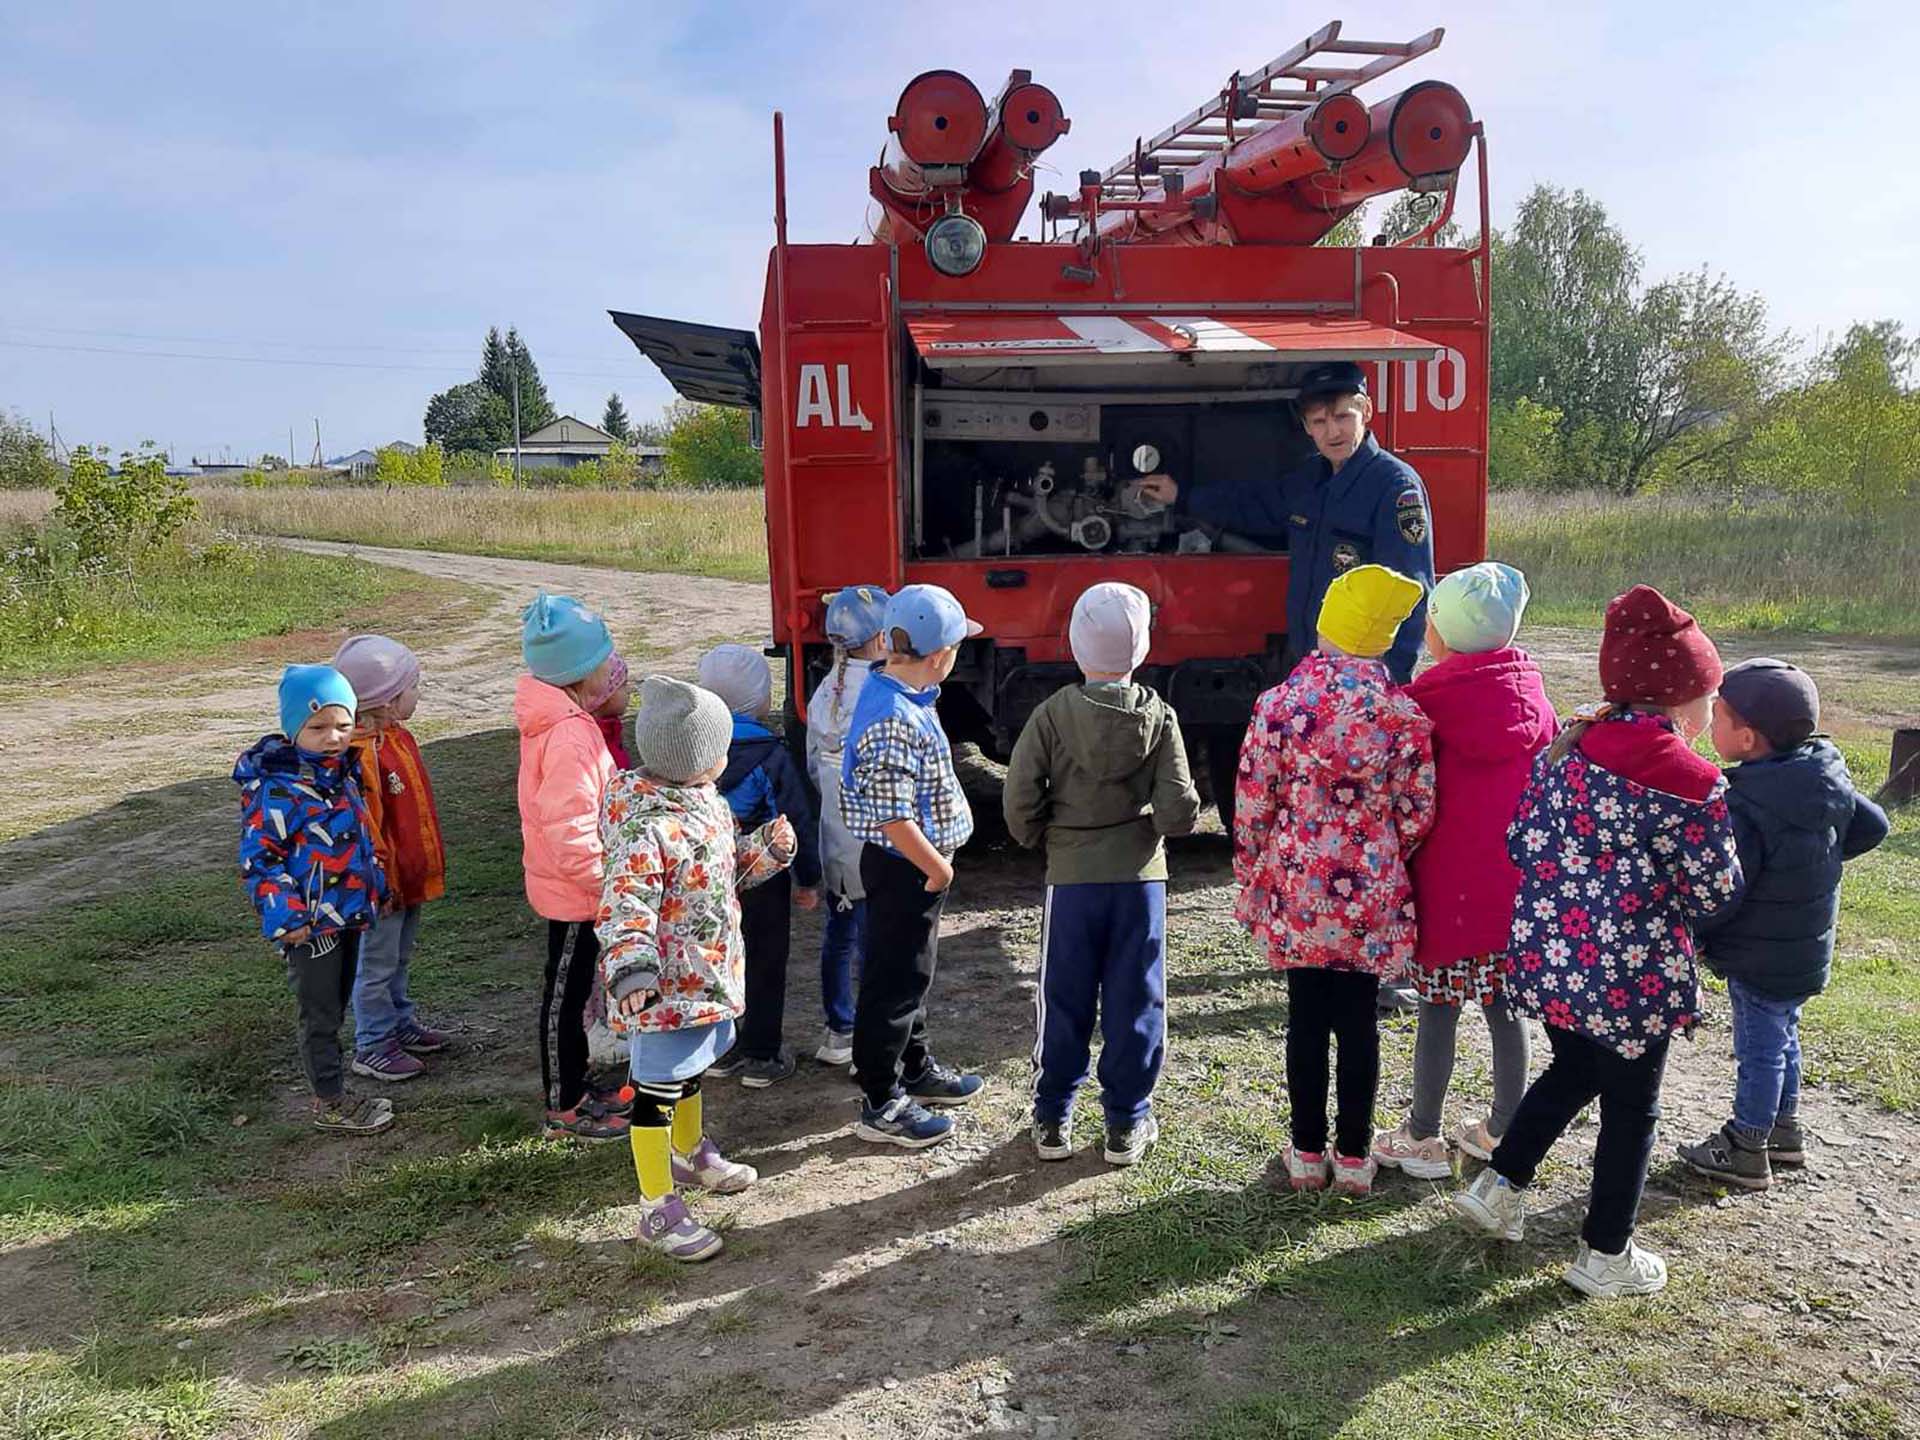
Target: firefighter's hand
x=806 y=898
x=1160 y=487
x=940 y=879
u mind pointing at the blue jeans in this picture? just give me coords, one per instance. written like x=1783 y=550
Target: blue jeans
x=381 y=1009
x=1102 y=948
x=1766 y=1048
x=843 y=951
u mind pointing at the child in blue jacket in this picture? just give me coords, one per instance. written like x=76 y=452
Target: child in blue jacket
x=760 y=783
x=1796 y=819
x=307 y=854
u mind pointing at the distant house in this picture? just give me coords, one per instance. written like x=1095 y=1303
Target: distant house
x=568 y=442
x=361 y=462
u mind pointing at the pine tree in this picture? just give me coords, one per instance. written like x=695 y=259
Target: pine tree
x=536 y=410
x=496 y=371
x=615 y=421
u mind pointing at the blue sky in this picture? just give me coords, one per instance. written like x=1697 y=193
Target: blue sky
x=364 y=188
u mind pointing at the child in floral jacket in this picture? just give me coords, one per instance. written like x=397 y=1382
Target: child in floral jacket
x=1335 y=789
x=1624 y=842
x=671 y=956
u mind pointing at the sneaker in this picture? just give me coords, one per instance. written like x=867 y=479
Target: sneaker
x=353 y=1114
x=1427 y=1159
x=423 y=1039
x=1128 y=1143
x=836 y=1048
x=389 y=1063
x=1477 y=1140
x=589 y=1120
x=728 y=1064
x=1053 y=1139
x=614 y=1099
x=759 y=1074
x=1306 y=1169
x=1723 y=1156
x=903 y=1122
x=707 y=1168
x=938 y=1085
x=1607 y=1277
x=1787 y=1142
x=665 y=1226
x=1353 y=1176
x=1492 y=1206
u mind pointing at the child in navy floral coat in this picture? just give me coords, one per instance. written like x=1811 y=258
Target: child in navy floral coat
x=1624 y=843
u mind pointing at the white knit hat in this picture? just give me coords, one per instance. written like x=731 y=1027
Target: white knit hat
x=1111 y=629
x=681 y=730
x=379 y=669
x=738 y=674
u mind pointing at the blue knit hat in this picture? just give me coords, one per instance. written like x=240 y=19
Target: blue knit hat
x=561 y=640
x=1478 y=608
x=856 y=614
x=307 y=689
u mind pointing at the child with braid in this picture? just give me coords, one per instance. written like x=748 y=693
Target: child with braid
x=670 y=950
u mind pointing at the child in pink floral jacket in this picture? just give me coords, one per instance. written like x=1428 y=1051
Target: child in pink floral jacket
x=1335 y=789
x=670 y=950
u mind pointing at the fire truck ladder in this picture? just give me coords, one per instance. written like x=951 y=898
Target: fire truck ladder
x=1250 y=102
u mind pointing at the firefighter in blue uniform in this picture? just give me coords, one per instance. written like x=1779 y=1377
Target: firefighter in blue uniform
x=1351 y=504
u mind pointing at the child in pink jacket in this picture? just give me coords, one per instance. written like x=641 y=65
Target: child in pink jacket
x=1335 y=789
x=1491 y=716
x=565 y=768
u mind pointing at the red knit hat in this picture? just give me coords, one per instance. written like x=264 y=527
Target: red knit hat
x=1655 y=653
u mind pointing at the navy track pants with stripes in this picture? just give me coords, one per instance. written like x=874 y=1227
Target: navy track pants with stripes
x=1102 y=949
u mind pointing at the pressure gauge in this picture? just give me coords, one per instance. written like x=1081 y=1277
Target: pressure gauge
x=1146 y=459
x=956 y=244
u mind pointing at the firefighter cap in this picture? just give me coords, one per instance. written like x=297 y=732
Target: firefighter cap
x=1336 y=377
x=931 y=617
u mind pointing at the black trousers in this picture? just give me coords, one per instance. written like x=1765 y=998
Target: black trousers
x=1322 y=1006
x=321 y=974
x=573 y=968
x=766 y=921
x=1629 y=1095
x=903 y=944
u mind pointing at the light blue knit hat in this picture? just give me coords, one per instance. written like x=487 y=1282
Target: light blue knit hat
x=561 y=640
x=1478 y=608
x=308 y=689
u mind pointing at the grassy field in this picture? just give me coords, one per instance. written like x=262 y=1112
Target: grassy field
x=1764 y=566
x=209 y=1269
x=720 y=533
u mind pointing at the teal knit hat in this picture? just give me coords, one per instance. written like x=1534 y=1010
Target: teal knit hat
x=1478 y=608
x=561 y=640
x=306 y=690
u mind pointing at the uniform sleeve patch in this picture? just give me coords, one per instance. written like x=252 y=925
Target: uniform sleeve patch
x=1410 y=514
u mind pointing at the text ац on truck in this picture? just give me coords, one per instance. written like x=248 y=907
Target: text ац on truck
x=945 y=401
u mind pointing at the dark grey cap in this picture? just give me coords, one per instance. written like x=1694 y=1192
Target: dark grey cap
x=1336 y=377
x=1775 y=698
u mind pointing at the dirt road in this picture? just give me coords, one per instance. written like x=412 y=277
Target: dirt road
x=157 y=724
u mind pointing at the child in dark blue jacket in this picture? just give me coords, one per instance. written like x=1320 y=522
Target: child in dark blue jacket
x=1796 y=818
x=762 y=782
x=307 y=855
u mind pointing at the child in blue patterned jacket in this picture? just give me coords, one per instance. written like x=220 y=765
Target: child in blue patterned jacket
x=307 y=854
x=1624 y=843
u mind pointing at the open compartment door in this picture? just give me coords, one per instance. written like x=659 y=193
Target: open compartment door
x=959 y=342
x=709 y=364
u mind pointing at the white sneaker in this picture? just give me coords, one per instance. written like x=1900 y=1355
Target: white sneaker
x=1475 y=1139
x=836 y=1048
x=1423 y=1159
x=1492 y=1206
x=1307 y=1170
x=1607 y=1277
x=707 y=1168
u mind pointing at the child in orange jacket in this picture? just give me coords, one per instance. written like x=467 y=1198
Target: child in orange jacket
x=565 y=768
x=388 y=1035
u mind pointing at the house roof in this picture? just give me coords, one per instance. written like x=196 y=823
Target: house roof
x=567 y=430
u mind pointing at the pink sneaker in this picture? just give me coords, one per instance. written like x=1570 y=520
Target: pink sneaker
x=666 y=1226
x=423 y=1039
x=1306 y=1169
x=1427 y=1159
x=707 y=1168
x=1353 y=1177
x=389 y=1063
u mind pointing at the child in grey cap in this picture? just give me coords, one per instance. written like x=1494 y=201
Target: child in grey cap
x=670 y=950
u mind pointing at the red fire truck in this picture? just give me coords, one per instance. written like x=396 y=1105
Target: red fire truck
x=946 y=402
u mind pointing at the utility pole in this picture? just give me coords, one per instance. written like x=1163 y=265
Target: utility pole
x=516 y=426
x=319 y=456
x=291 y=462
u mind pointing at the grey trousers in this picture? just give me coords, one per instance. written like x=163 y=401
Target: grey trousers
x=321 y=974
x=1433 y=1048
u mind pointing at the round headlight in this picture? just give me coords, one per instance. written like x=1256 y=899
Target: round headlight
x=956 y=244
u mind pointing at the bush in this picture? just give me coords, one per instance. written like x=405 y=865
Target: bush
x=116 y=514
x=394 y=468
x=710 y=447
x=1523 y=445
x=24 y=461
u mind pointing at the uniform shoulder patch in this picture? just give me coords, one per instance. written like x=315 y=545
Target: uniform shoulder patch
x=1410 y=514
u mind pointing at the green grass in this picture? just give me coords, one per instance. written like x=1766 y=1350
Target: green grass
x=198 y=596
x=1761 y=566
x=720 y=533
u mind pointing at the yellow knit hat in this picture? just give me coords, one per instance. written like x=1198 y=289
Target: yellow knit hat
x=1365 y=608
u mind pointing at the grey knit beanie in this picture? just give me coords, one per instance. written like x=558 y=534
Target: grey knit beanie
x=681 y=730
